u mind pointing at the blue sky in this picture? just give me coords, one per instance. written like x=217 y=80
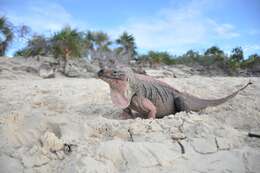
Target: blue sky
x=163 y=25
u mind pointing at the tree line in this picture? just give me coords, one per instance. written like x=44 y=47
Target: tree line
x=71 y=43
x=212 y=56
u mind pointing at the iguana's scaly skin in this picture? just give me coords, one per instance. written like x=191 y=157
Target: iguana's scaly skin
x=150 y=97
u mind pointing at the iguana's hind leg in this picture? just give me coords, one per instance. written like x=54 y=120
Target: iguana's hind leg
x=179 y=104
x=144 y=106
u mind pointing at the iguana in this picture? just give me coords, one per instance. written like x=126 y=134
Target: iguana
x=150 y=97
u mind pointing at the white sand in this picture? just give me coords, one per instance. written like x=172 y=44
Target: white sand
x=38 y=115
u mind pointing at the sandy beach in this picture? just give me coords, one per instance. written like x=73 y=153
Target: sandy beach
x=38 y=116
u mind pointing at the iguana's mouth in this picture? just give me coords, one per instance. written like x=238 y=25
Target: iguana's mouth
x=110 y=77
x=101 y=74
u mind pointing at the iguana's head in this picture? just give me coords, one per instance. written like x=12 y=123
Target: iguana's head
x=118 y=80
x=110 y=75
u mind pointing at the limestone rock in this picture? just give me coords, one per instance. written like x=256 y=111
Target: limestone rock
x=223 y=143
x=51 y=142
x=128 y=155
x=204 y=145
x=72 y=69
x=79 y=68
x=46 y=71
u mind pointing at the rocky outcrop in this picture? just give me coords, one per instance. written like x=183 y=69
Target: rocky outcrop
x=79 y=68
x=45 y=67
x=72 y=69
x=46 y=71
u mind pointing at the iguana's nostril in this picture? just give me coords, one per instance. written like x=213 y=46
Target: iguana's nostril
x=101 y=72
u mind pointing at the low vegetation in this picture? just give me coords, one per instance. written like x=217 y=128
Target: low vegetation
x=8 y=32
x=96 y=45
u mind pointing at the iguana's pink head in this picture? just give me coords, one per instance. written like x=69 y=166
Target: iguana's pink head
x=119 y=87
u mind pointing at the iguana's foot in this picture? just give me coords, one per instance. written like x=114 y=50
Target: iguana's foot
x=151 y=115
x=126 y=114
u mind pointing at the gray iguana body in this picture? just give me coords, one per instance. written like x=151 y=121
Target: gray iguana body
x=151 y=97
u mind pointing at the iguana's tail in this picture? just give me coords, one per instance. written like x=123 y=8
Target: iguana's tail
x=195 y=104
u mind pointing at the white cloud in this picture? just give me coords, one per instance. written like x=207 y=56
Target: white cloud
x=177 y=28
x=43 y=16
x=226 y=31
x=251 y=48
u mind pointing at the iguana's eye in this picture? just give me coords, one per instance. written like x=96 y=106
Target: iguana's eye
x=114 y=72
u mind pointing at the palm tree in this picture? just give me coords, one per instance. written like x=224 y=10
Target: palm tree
x=192 y=54
x=67 y=43
x=6 y=35
x=88 y=40
x=97 y=44
x=102 y=41
x=127 y=45
x=237 y=54
x=88 y=44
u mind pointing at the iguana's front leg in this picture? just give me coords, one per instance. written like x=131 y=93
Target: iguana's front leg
x=143 y=106
x=126 y=114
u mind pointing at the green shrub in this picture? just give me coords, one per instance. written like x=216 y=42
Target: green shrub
x=251 y=61
x=37 y=45
x=23 y=52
